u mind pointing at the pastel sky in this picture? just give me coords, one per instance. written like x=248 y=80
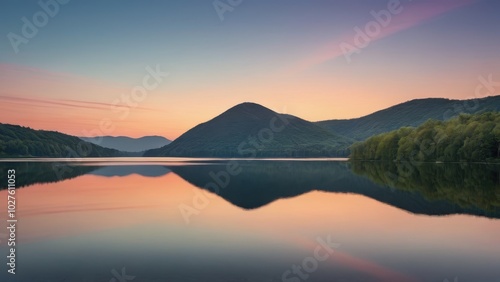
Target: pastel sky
x=77 y=70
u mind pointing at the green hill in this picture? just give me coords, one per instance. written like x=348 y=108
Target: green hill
x=18 y=141
x=251 y=130
x=464 y=138
x=412 y=113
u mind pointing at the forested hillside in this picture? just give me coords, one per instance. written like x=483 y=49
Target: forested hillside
x=465 y=138
x=250 y=130
x=412 y=113
x=18 y=141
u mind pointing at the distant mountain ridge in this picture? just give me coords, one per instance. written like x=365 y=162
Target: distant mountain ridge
x=251 y=130
x=128 y=144
x=246 y=130
x=412 y=113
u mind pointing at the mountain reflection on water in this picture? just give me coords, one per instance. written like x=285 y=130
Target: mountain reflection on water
x=431 y=189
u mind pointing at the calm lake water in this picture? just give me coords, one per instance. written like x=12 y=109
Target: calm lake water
x=274 y=220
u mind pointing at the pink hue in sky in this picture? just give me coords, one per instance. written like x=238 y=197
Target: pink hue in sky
x=77 y=105
x=68 y=103
x=298 y=69
x=411 y=15
x=82 y=106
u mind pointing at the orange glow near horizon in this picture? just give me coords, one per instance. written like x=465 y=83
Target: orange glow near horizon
x=413 y=50
x=81 y=106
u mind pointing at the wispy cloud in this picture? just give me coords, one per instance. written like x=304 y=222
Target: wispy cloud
x=64 y=103
x=413 y=14
x=69 y=103
x=107 y=105
x=45 y=103
x=38 y=87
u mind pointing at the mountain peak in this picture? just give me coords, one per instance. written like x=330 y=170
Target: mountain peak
x=248 y=109
x=251 y=130
x=248 y=106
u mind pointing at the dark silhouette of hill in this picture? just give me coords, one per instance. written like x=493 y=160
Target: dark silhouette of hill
x=29 y=173
x=18 y=141
x=251 y=130
x=262 y=182
x=412 y=113
x=128 y=144
x=433 y=189
x=247 y=130
x=125 y=170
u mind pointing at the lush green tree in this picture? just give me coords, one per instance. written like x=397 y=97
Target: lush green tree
x=465 y=138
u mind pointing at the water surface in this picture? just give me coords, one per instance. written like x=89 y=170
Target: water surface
x=238 y=220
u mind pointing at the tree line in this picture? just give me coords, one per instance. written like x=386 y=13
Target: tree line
x=18 y=141
x=465 y=138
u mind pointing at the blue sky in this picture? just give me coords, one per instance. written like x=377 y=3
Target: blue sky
x=277 y=53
